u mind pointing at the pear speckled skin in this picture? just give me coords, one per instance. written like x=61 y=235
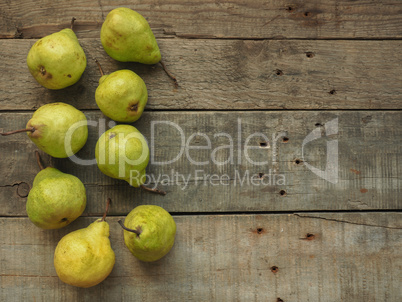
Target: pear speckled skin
x=56 y=199
x=122 y=152
x=127 y=37
x=52 y=123
x=85 y=258
x=122 y=96
x=158 y=231
x=57 y=61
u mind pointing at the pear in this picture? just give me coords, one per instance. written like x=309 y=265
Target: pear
x=149 y=232
x=122 y=152
x=58 y=129
x=127 y=37
x=85 y=258
x=121 y=95
x=56 y=198
x=57 y=61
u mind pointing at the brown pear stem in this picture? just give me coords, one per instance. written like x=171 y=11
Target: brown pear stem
x=156 y=191
x=176 y=84
x=32 y=129
x=107 y=209
x=38 y=160
x=72 y=23
x=100 y=67
x=128 y=229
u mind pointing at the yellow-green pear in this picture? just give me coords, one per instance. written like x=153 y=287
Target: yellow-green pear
x=84 y=258
x=149 y=232
x=58 y=129
x=121 y=95
x=127 y=37
x=56 y=198
x=57 y=60
x=122 y=152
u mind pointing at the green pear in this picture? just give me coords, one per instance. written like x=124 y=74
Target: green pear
x=56 y=198
x=122 y=152
x=121 y=95
x=127 y=37
x=149 y=232
x=58 y=129
x=57 y=61
x=85 y=258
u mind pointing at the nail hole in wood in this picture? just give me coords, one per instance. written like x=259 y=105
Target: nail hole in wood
x=261 y=175
x=263 y=144
x=260 y=230
x=279 y=300
x=274 y=269
x=333 y=91
x=367 y=119
x=285 y=139
x=298 y=161
x=310 y=54
x=289 y=9
x=307 y=14
x=282 y=192
x=310 y=236
x=318 y=124
x=278 y=72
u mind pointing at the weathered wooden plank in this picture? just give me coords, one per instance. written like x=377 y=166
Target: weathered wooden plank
x=348 y=257
x=230 y=74
x=369 y=152
x=237 y=19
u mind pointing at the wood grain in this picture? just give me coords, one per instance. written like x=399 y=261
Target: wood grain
x=223 y=258
x=369 y=151
x=194 y=19
x=276 y=67
x=229 y=74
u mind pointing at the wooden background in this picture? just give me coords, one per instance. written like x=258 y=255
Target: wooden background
x=282 y=68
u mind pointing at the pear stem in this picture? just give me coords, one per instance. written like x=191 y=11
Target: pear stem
x=32 y=129
x=107 y=209
x=100 y=68
x=38 y=160
x=156 y=191
x=72 y=23
x=176 y=84
x=128 y=229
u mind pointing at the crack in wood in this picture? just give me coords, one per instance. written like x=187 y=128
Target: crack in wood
x=22 y=188
x=349 y=222
x=273 y=19
x=26 y=276
x=12 y=185
x=101 y=8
